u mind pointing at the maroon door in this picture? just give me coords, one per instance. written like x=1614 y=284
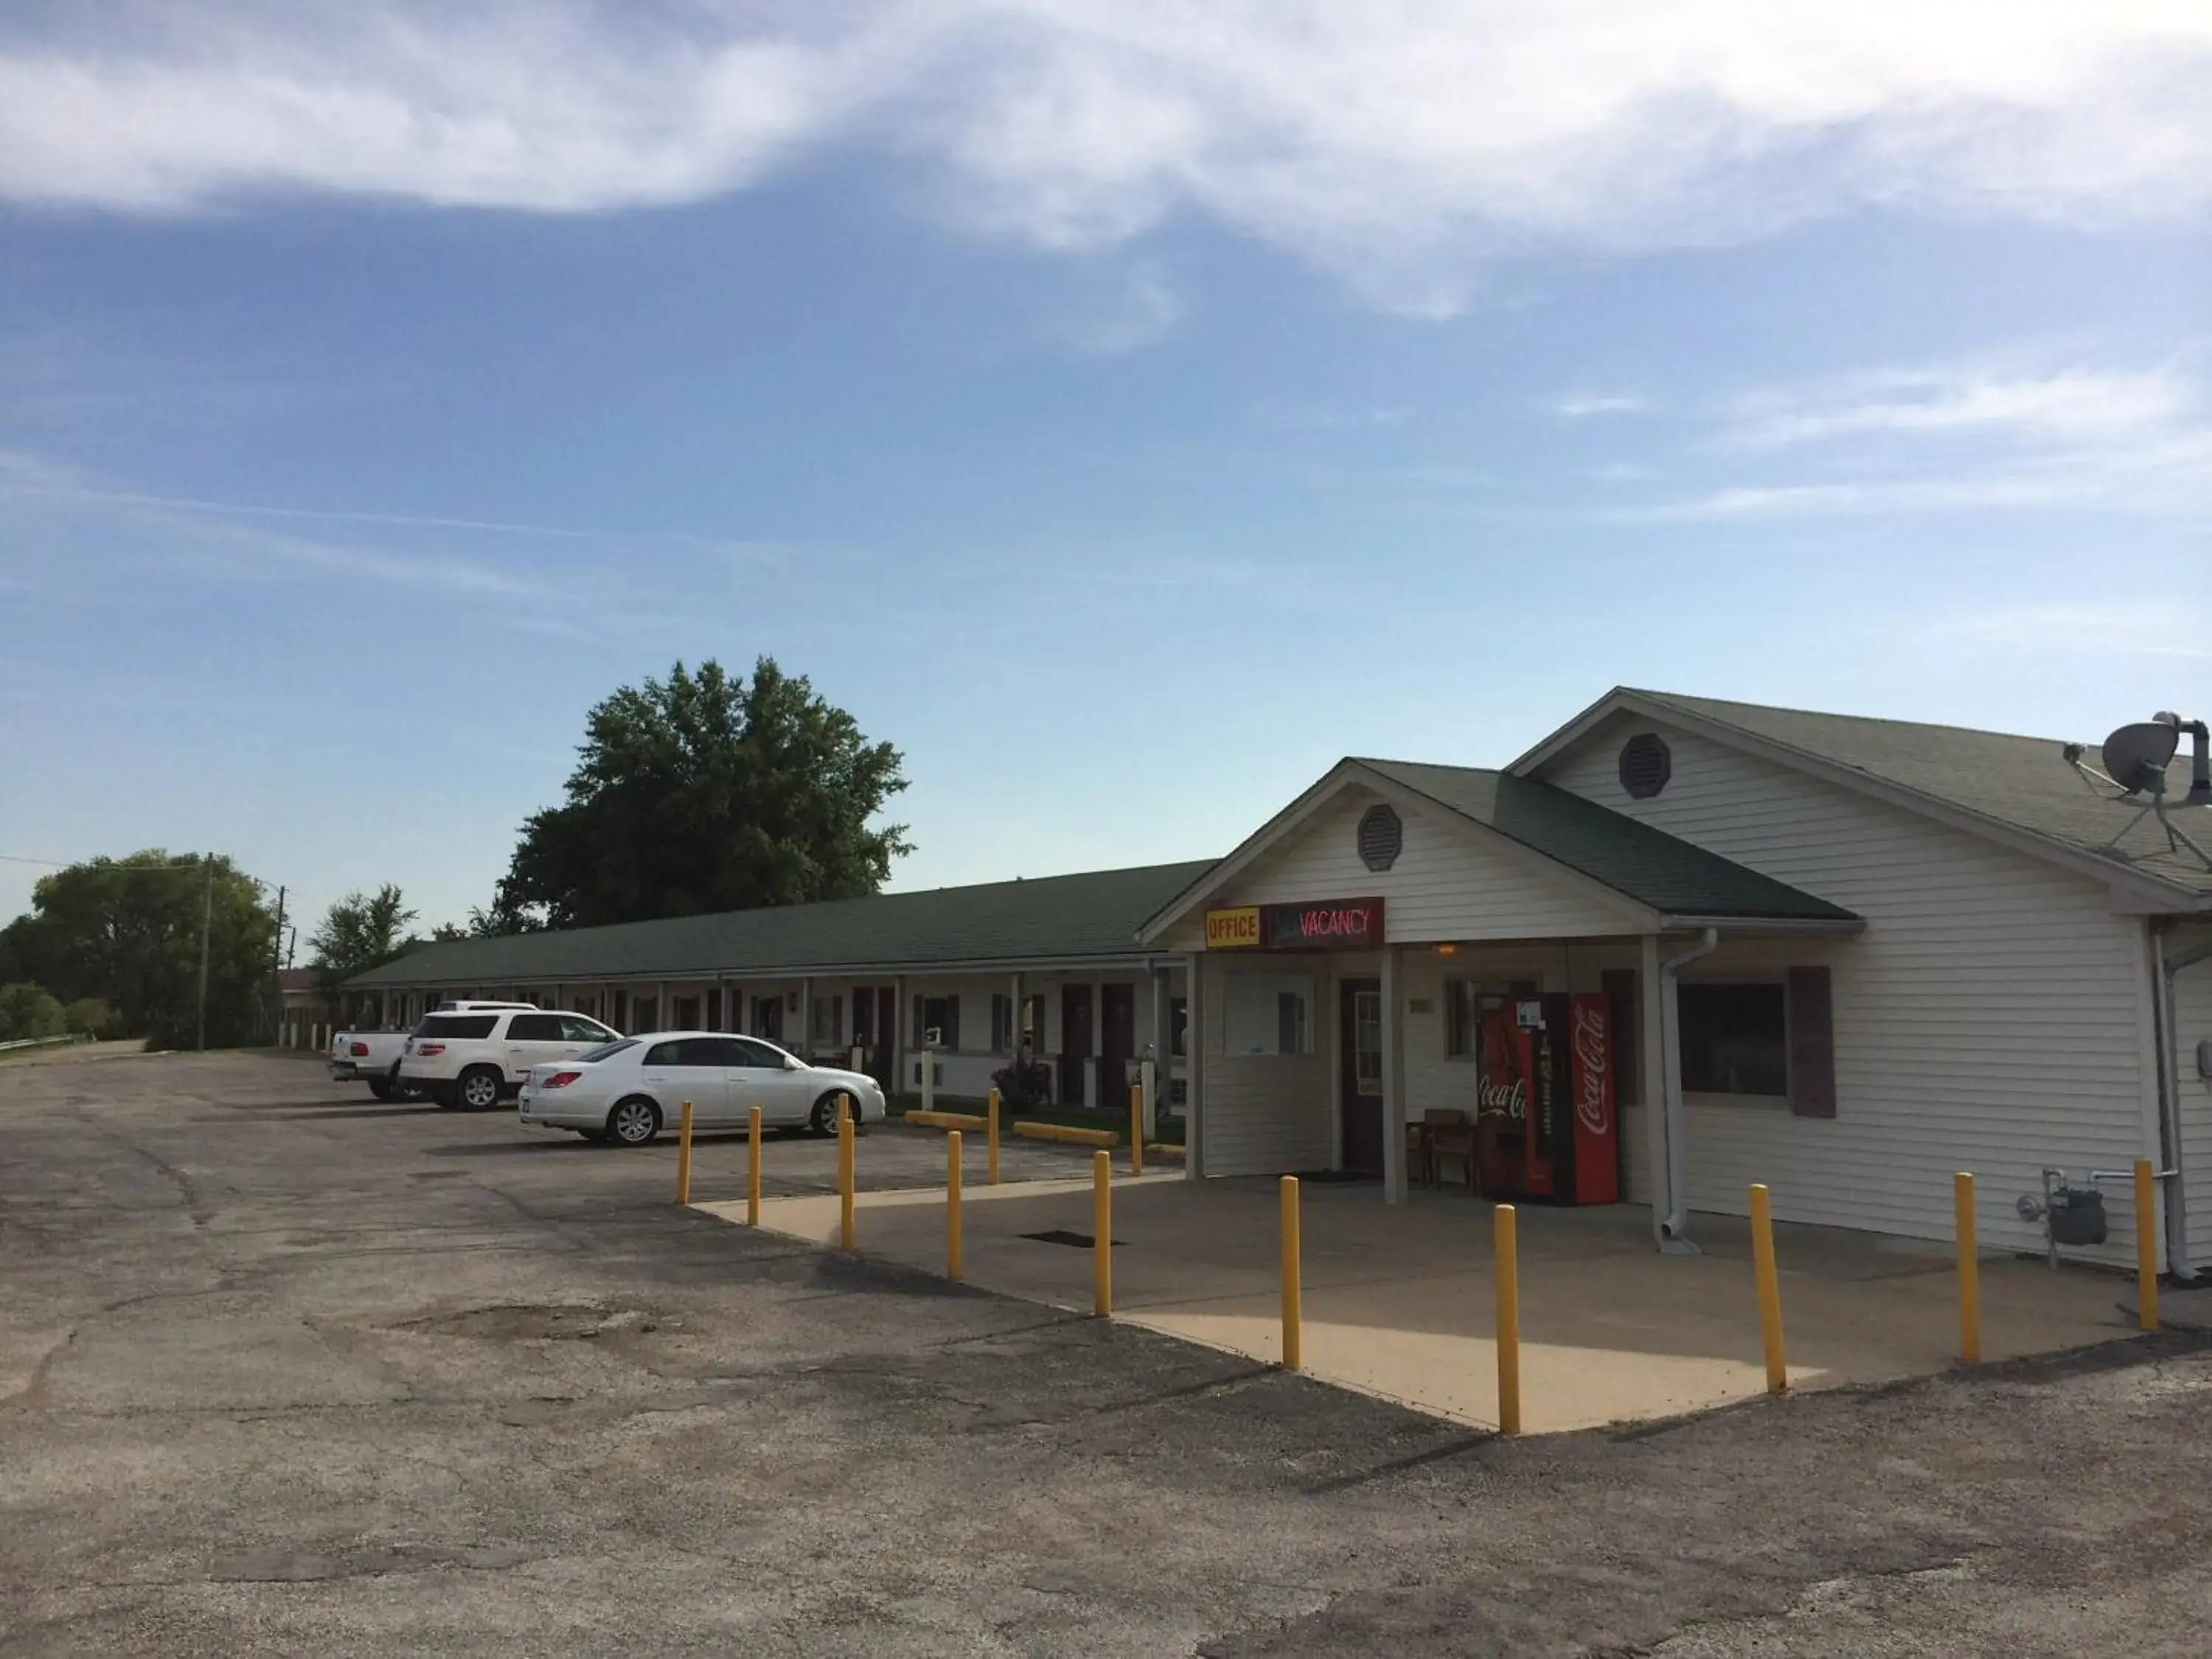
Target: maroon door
x=1074 y=1041
x=1117 y=1042
x=1361 y=1084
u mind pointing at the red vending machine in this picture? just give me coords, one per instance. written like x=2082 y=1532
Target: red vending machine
x=1545 y=1124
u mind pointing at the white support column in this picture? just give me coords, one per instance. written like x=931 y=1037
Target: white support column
x=1394 y=1075
x=1194 y=1106
x=1157 y=1069
x=899 y=1034
x=1651 y=1020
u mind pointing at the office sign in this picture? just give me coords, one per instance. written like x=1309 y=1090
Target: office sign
x=1233 y=930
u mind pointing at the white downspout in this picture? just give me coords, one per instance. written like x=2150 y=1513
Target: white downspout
x=1674 y=1239
x=2165 y=969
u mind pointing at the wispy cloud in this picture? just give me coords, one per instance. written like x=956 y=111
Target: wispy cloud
x=2070 y=402
x=2138 y=628
x=1584 y=406
x=1405 y=145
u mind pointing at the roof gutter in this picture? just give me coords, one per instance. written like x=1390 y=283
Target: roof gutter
x=1840 y=925
x=817 y=970
x=2165 y=968
x=1674 y=1226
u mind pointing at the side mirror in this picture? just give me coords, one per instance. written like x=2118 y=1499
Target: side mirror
x=793 y=1063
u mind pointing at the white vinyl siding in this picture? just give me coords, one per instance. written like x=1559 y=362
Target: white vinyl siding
x=1264 y=1115
x=1987 y=1019
x=1446 y=883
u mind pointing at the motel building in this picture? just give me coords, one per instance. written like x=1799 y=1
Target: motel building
x=1679 y=946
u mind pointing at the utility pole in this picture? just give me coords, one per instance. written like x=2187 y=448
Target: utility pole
x=276 y=969
x=207 y=921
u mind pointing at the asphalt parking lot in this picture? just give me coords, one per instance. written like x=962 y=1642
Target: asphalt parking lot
x=282 y=1370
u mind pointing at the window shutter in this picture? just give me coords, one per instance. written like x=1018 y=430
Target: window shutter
x=1812 y=1044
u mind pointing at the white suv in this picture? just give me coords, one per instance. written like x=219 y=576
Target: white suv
x=476 y=1057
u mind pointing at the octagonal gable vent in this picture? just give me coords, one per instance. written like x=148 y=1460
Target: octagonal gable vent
x=1645 y=765
x=1382 y=837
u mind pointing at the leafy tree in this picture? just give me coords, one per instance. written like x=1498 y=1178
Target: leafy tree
x=360 y=932
x=29 y=1011
x=94 y=1017
x=707 y=792
x=127 y=931
x=445 y=932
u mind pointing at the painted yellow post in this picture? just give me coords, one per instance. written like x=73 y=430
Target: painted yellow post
x=1101 y=1233
x=991 y=1141
x=1136 y=1128
x=844 y=1178
x=753 y=1174
x=952 y=1205
x=1293 y=1290
x=1506 y=1251
x=2147 y=1243
x=684 y=1156
x=1970 y=1270
x=1770 y=1291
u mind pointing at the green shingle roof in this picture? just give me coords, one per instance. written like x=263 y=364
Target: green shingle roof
x=1647 y=865
x=1095 y=914
x=2023 y=782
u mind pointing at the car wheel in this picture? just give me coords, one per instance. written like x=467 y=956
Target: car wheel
x=823 y=1120
x=381 y=1087
x=480 y=1088
x=632 y=1122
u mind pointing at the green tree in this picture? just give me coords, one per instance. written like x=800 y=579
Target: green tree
x=360 y=932
x=29 y=1011
x=127 y=931
x=93 y=1017
x=707 y=792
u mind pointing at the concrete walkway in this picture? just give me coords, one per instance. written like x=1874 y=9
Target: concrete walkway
x=1398 y=1301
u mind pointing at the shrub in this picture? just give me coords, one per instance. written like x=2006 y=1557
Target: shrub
x=29 y=1011
x=91 y=1016
x=1024 y=1086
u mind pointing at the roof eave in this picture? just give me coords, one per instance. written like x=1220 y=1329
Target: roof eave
x=1686 y=921
x=2050 y=848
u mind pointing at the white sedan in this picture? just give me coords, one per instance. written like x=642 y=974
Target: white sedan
x=629 y=1091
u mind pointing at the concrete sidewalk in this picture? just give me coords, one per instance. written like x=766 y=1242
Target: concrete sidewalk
x=1398 y=1301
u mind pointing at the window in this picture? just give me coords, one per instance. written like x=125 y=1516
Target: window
x=940 y=1014
x=686 y=1052
x=1002 y=1023
x=1465 y=1002
x=687 y=1012
x=457 y=1025
x=752 y=1052
x=534 y=1027
x=1736 y=1039
x=1178 y=1026
x=576 y=1029
x=1268 y=1014
x=645 y=1012
x=1033 y=1022
x=826 y=1020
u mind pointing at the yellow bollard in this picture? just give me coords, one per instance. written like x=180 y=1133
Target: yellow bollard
x=1970 y=1271
x=1293 y=1290
x=2147 y=1243
x=1770 y=1291
x=1136 y=1128
x=684 y=1156
x=1506 y=1250
x=753 y=1174
x=844 y=1178
x=991 y=1141
x=952 y=1205
x=1101 y=1233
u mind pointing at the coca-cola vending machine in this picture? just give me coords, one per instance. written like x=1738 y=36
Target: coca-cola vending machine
x=1546 y=1123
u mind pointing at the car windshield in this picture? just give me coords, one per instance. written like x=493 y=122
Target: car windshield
x=604 y=1051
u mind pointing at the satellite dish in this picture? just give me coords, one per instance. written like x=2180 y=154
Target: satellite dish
x=2136 y=755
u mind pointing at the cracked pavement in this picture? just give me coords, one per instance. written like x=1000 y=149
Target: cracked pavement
x=283 y=1371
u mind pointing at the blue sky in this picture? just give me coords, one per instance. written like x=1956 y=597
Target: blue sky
x=1126 y=411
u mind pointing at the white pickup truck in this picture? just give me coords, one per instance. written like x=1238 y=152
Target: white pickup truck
x=373 y=1057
